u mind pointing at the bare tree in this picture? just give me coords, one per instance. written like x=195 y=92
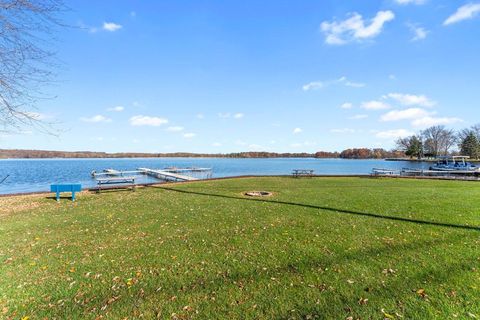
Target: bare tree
x=27 y=61
x=438 y=140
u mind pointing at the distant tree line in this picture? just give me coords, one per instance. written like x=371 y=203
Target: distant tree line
x=365 y=153
x=362 y=153
x=440 y=141
x=88 y=154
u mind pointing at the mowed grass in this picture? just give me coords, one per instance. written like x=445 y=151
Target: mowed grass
x=326 y=248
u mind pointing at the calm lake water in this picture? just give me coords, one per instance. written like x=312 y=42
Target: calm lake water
x=30 y=175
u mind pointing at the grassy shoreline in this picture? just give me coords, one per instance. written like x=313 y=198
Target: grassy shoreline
x=319 y=248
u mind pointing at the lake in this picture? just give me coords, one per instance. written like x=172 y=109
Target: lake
x=32 y=175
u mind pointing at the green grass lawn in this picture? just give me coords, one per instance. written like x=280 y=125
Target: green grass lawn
x=319 y=248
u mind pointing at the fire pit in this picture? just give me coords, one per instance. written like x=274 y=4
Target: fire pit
x=258 y=193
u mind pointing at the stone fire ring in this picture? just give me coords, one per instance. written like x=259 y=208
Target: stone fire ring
x=258 y=193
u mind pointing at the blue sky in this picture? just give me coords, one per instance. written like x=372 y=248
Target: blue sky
x=286 y=76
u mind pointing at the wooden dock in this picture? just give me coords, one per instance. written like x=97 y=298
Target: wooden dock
x=113 y=172
x=166 y=175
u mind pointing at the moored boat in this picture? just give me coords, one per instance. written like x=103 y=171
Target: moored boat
x=454 y=163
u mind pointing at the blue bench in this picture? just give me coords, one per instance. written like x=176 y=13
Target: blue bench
x=57 y=188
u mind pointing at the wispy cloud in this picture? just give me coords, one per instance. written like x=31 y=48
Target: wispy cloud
x=429 y=121
x=95 y=119
x=393 y=134
x=419 y=33
x=358 y=117
x=111 y=26
x=316 y=85
x=411 y=99
x=106 y=26
x=116 y=109
x=189 y=135
x=418 y=117
x=297 y=131
x=228 y=115
x=216 y=144
x=346 y=105
x=465 y=12
x=417 y=2
x=141 y=120
x=375 y=105
x=407 y=114
x=354 y=28
x=175 y=129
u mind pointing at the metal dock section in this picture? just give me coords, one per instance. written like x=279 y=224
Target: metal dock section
x=166 y=175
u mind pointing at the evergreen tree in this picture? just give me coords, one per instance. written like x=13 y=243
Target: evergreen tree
x=470 y=145
x=415 y=147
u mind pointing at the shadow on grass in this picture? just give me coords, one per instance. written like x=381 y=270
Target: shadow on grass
x=335 y=210
x=217 y=282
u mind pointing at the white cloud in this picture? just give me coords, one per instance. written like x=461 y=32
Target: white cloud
x=419 y=33
x=407 y=114
x=429 y=121
x=346 y=105
x=96 y=119
x=411 y=99
x=392 y=77
x=358 y=117
x=175 y=129
x=147 y=121
x=228 y=115
x=200 y=116
x=216 y=144
x=343 y=130
x=116 y=109
x=354 y=84
x=354 y=28
x=316 y=85
x=393 y=134
x=418 y=2
x=297 y=130
x=465 y=12
x=111 y=26
x=189 y=135
x=375 y=105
